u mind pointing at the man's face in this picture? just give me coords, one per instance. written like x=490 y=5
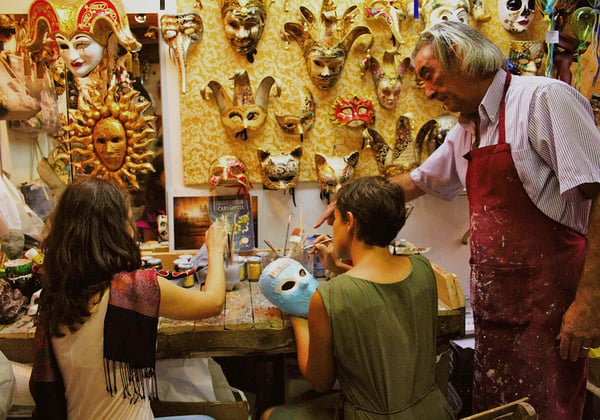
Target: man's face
x=110 y=143
x=81 y=53
x=450 y=89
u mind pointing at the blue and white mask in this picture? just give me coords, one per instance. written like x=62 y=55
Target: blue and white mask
x=288 y=285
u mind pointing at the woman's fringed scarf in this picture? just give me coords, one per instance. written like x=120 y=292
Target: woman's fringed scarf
x=130 y=329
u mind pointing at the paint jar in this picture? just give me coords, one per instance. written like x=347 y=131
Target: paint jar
x=254 y=268
x=232 y=274
x=242 y=261
x=18 y=272
x=155 y=263
x=188 y=281
x=265 y=258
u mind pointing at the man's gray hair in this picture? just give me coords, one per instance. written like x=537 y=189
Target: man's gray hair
x=459 y=47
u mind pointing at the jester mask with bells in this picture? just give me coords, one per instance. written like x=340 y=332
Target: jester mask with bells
x=432 y=134
x=110 y=135
x=180 y=32
x=387 y=158
x=81 y=28
x=288 y=285
x=244 y=23
x=297 y=125
x=229 y=171
x=326 y=41
x=354 y=112
x=280 y=171
x=387 y=77
x=245 y=114
x=334 y=171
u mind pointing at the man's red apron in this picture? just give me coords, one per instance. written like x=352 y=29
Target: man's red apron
x=524 y=272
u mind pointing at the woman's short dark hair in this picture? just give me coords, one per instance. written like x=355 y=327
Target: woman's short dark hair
x=89 y=240
x=378 y=207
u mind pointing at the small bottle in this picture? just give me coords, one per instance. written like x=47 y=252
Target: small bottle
x=188 y=281
x=254 y=268
x=243 y=267
x=155 y=263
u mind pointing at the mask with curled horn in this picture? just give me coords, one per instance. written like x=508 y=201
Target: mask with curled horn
x=391 y=11
x=326 y=41
x=333 y=171
x=387 y=158
x=280 y=171
x=181 y=32
x=387 y=77
x=303 y=121
x=244 y=23
x=432 y=134
x=244 y=114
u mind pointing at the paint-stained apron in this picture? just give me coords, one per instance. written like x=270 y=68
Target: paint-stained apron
x=524 y=272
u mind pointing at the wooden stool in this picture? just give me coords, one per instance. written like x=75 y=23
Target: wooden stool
x=518 y=410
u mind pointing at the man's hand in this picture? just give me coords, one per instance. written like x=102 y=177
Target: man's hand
x=326 y=216
x=580 y=329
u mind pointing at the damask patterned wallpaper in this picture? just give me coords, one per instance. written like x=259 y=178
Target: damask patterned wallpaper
x=204 y=137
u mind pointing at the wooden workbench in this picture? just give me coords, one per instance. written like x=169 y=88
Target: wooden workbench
x=248 y=325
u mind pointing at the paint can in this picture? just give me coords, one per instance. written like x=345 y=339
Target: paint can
x=18 y=272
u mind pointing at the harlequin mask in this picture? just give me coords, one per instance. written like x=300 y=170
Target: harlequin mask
x=525 y=57
x=388 y=159
x=243 y=116
x=326 y=41
x=334 y=171
x=229 y=171
x=303 y=121
x=353 y=112
x=436 y=11
x=387 y=78
x=515 y=15
x=432 y=134
x=244 y=23
x=280 y=172
x=288 y=285
x=96 y=18
x=180 y=32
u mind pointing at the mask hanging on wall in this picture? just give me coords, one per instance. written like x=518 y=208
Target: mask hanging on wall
x=388 y=159
x=437 y=11
x=288 y=285
x=299 y=124
x=516 y=15
x=354 y=112
x=244 y=23
x=229 y=171
x=181 y=32
x=326 y=41
x=432 y=134
x=110 y=135
x=280 y=171
x=525 y=57
x=387 y=77
x=82 y=29
x=244 y=115
x=392 y=12
x=333 y=171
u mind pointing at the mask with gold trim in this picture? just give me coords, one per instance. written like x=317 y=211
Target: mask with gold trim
x=245 y=114
x=96 y=18
x=432 y=134
x=333 y=171
x=437 y=11
x=525 y=57
x=280 y=171
x=244 y=23
x=229 y=171
x=353 y=111
x=303 y=121
x=388 y=159
x=390 y=11
x=180 y=32
x=326 y=41
x=387 y=77
x=111 y=135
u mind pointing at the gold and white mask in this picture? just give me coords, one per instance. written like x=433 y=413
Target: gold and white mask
x=244 y=23
x=280 y=171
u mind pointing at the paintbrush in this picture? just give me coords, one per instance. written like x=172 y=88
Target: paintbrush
x=322 y=242
x=287 y=232
x=270 y=245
